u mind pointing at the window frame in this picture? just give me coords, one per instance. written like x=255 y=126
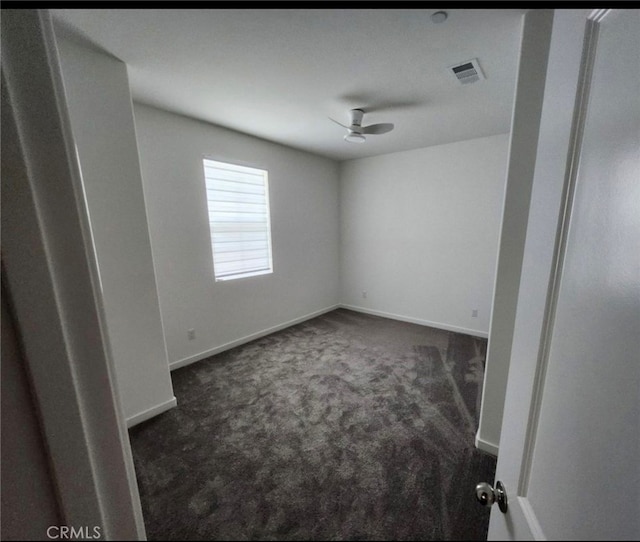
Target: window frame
x=247 y=165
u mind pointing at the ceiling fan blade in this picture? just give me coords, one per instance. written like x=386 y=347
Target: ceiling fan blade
x=339 y=123
x=382 y=128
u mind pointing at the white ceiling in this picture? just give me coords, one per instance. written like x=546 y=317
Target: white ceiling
x=279 y=73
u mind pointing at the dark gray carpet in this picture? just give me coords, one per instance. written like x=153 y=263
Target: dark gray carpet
x=344 y=427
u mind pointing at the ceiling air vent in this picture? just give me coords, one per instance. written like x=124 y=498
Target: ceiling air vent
x=467 y=72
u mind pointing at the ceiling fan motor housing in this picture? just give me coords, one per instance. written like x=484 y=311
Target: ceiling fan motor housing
x=356 y=117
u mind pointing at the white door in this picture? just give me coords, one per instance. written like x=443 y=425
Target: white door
x=570 y=443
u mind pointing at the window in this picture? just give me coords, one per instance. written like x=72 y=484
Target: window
x=238 y=201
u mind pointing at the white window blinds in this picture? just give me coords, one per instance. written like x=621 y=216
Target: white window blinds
x=238 y=201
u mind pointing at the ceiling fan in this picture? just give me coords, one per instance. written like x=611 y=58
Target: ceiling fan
x=357 y=131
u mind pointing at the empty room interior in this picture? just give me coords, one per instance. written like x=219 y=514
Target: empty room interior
x=308 y=227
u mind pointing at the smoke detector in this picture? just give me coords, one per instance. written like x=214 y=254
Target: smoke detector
x=467 y=72
x=439 y=17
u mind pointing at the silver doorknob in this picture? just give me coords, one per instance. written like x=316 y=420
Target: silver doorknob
x=486 y=495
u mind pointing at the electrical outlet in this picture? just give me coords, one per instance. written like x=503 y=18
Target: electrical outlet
x=474 y=313
x=364 y=294
x=191 y=333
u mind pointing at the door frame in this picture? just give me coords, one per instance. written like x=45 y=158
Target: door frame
x=50 y=271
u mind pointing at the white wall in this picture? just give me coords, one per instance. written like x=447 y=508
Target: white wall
x=522 y=154
x=97 y=91
x=419 y=232
x=304 y=227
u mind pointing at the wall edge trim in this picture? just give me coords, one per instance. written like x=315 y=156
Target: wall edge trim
x=486 y=446
x=420 y=321
x=248 y=338
x=151 y=412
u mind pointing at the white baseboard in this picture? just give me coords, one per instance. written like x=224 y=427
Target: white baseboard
x=438 y=325
x=151 y=412
x=486 y=446
x=227 y=346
